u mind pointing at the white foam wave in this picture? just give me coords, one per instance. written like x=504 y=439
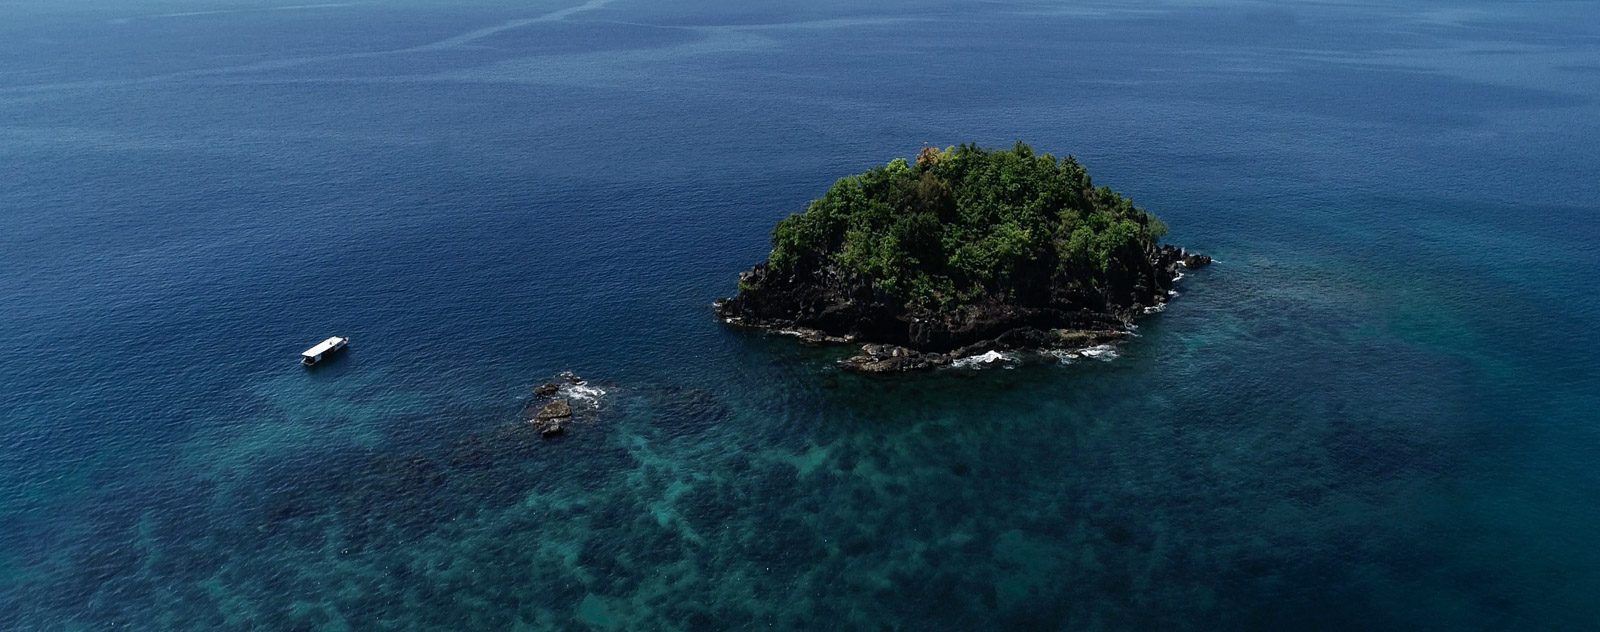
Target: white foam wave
x=583 y=393
x=1100 y=352
x=988 y=358
x=1103 y=353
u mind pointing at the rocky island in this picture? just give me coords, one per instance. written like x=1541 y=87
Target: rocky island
x=965 y=252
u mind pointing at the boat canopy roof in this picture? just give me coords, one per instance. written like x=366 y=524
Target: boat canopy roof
x=323 y=347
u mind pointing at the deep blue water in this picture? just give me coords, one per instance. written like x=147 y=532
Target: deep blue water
x=1379 y=410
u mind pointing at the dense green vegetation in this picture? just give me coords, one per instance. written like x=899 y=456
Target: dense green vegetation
x=966 y=222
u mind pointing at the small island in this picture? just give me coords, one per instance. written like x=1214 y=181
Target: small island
x=965 y=253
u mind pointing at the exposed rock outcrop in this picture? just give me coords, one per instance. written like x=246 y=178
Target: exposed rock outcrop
x=561 y=403
x=823 y=307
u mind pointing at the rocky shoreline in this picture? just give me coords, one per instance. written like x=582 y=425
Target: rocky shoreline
x=825 y=308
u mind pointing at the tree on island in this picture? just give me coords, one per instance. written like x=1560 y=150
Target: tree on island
x=964 y=245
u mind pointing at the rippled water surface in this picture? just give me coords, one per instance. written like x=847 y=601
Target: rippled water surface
x=1376 y=411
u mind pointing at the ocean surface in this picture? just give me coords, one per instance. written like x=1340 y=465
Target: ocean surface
x=1379 y=410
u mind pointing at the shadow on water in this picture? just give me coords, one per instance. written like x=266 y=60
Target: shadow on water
x=330 y=363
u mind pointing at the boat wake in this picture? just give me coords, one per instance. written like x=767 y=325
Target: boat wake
x=449 y=43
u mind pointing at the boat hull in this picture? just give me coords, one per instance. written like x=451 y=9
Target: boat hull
x=320 y=352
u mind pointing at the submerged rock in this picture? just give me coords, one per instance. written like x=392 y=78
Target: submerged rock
x=557 y=409
x=882 y=358
x=546 y=390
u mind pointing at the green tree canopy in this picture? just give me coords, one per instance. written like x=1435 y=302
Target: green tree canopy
x=967 y=222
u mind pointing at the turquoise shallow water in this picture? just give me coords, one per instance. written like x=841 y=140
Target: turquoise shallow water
x=1377 y=411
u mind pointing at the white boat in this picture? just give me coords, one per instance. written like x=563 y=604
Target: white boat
x=314 y=354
